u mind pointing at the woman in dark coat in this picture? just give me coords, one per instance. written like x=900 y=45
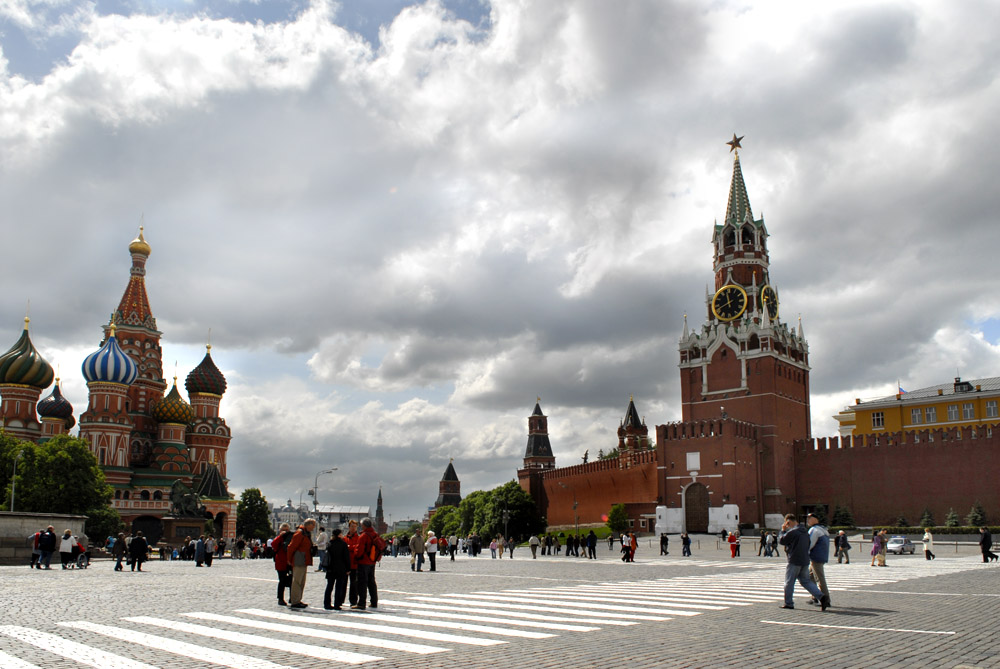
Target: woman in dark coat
x=338 y=557
x=138 y=550
x=118 y=551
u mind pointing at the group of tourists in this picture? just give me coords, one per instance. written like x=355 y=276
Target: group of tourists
x=349 y=562
x=44 y=543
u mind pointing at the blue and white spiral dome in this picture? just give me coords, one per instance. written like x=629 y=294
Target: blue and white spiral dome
x=110 y=364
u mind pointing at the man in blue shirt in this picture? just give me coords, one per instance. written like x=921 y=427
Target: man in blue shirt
x=795 y=538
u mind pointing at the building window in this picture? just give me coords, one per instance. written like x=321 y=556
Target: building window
x=952 y=412
x=144 y=494
x=930 y=413
x=118 y=494
x=158 y=495
x=878 y=420
x=693 y=461
x=916 y=416
x=991 y=408
x=968 y=411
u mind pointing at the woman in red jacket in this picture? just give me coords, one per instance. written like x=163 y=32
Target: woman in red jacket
x=280 y=547
x=352 y=539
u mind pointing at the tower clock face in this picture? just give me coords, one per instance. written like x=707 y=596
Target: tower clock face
x=729 y=302
x=769 y=301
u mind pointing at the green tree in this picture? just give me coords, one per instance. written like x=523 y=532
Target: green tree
x=927 y=520
x=252 y=518
x=901 y=521
x=951 y=520
x=446 y=521
x=523 y=519
x=618 y=518
x=468 y=509
x=977 y=516
x=59 y=476
x=842 y=517
x=102 y=523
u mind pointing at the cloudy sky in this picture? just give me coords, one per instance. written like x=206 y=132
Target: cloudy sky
x=403 y=221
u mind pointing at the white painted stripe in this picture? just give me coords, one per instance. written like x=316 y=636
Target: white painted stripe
x=852 y=627
x=356 y=622
x=658 y=596
x=477 y=607
x=72 y=650
x=592 y=607
x=234 y=660
x=936 y=594
x=11 y=662
x=258 y=641
x=474 y=600
x=503 y=621
x=632 y=599
x=319 y=634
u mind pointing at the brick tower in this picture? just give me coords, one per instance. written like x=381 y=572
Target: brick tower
x=745 y=363
x=449 y=489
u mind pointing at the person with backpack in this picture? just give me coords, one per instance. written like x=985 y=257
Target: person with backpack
x=280 y=546
x=369 y=552
x=300 y=559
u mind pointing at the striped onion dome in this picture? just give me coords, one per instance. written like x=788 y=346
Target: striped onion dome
x=57 y=406
x=206 y=377
x=173 y=408
x=110 y=364
x=23 y=365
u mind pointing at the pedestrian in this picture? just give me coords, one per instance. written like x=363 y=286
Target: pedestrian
x=724 y=534
x=338 y=565
x=352 y=540
x=768 y=540
x=664 y=543
x=876 y=540
x=611 y=541
x=321 y=543
x=685 y=545
x=592 y=545
x=118 y=551
x=199 y=552
x=279 y=546
x=432 y=549
x=239 y=550
x=138 y=550
x=35 y=552
x=493 y=549
x=734 y=544
x=763 y=538
x=842 y=547
x=300 y=559
x=883 y=537
x=533 y=543
x=369 y=552
x=210 y=547
x=66 y=543
x=46 y=546
x=511 y=545
x=985 y=544
x=453 y=546
x=795 y=538
x=819 y=554
x=417 y=551
x=928 y=544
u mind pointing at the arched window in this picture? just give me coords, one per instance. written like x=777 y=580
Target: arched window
x=125 y=495
x=118 y=494
x=158 y=495
x=144 y=494
x=747 y=234
x=729 y=237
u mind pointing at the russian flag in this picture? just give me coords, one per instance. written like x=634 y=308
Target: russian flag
x=901 y=391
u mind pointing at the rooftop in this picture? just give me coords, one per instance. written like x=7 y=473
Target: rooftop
x=956 y=388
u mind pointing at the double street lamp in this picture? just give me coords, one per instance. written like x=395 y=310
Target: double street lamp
x=315 y=489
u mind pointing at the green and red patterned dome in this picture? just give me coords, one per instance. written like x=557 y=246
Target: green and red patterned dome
x=23 y=365
x=206 y=377
x=173 y=408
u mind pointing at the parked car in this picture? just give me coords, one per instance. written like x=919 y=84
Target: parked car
x=900 y=545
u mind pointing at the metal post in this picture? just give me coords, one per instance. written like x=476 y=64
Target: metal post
x=13 y=479
x=315 y=490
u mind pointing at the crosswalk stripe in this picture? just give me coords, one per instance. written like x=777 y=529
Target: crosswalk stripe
x=629 y=595
x=595 y=608
x=223 y=658
x=632 y=599
x=478 y=600
x=11 y=662
x=458 y=605
x=404 y=646
x=358 y=623
x=503 y=621
x=318 y=652
x=79 y=652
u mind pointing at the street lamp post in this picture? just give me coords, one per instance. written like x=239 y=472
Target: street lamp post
x=13 y=480
x=315 y=491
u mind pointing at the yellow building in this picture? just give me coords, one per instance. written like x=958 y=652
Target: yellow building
x=958 y=404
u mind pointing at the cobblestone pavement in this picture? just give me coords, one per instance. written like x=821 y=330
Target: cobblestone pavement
x=705 y=611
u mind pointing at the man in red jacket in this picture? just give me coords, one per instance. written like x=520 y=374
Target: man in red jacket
x=280 y=547
x=367 y=553
x=300 y=559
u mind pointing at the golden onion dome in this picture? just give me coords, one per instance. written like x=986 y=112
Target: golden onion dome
x=173 y=408
x=140 y=245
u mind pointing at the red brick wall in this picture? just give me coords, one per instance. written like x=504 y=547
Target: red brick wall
x=630 y=479
x=902 y=476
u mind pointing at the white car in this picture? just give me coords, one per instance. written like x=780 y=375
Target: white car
x=900 y=545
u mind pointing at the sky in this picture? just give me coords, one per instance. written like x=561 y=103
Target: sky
x=404 y=221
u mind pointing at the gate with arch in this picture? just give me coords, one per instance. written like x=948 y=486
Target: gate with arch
x=696 y=508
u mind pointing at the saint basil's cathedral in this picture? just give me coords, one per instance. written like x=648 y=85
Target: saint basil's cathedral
x=144 y=441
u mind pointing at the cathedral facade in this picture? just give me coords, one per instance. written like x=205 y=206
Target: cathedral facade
x=150 y=443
